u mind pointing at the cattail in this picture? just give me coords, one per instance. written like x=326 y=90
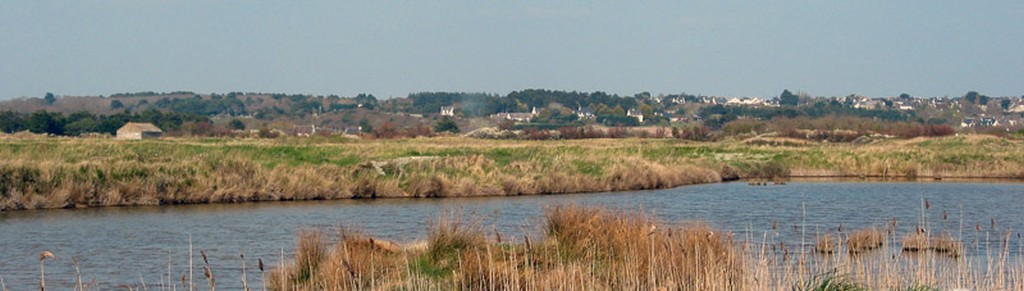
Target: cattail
x=840 y=229
x=245 y=282
x=42 y=271
x=207 y=271
x=45 y=255
x=945 y=215
x=993 y=224
x=926 y=204
x=259 y=264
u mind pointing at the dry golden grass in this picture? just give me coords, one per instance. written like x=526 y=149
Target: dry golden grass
x=599 y=249
x=947 y=245
x=47 y=172
x=916 y=242
x=864 y=240
x=826 y=244
x=587 y=248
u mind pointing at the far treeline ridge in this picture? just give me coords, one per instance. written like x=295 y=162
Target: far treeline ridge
x=532 y=113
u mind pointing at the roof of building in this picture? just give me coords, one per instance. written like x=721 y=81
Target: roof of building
x=585 y=110
x=140 y=127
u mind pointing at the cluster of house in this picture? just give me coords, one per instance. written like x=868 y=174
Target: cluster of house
x=987 y=121
x=581 y=113
x=140 y=131
x=313 y=129
x=516 y=116
x=1015 y=105
x=717 y=100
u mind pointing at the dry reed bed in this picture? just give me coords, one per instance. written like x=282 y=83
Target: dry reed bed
x=583 y=248
x=66 y=172
x=599 y=249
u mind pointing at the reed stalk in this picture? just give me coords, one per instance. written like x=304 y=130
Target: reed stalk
x=42 y=268
x=78 y=274
x=245 y=283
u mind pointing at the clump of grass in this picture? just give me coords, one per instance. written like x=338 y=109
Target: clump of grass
x=829 y=281
x=825 y=244
x=636 y=252
x=355 y=262
x=916 y=242
x=449 y=237
x=864 y=240
x=309 y=255
x=946 y=244
x=941 y=244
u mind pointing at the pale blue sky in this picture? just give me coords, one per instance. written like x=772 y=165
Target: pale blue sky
x=391 y=48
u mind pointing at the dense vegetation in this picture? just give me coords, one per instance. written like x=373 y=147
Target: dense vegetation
x=592 y=248
x=717 y=115
x=67 y=172
x=84 y=122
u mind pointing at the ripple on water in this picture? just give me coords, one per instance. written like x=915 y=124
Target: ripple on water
x=118 y=245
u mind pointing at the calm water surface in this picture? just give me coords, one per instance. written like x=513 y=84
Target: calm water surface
x=118 y=246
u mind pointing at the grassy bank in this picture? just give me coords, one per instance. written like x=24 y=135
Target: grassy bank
x=597 y=249
x=66 y=172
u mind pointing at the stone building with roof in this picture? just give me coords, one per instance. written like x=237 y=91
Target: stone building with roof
x=135 y=130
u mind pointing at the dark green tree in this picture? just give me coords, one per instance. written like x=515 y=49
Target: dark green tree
x=364 y=126
x=11 y=121
x=1005 y=104
x=367 y=100
x=116 y=104
x=49 y=98
x=236 y=124
x=446 y=125
x=971 y=97
x=616 y=120
x=80 y=126
x=788 y=98
x=45 y=122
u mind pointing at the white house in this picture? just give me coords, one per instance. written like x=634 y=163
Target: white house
x=584 y=113
x=448 y=111
x=636 y=114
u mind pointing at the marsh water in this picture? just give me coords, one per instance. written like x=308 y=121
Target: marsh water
x=116 y=246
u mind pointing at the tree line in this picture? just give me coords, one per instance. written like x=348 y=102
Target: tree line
x=82 y=122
